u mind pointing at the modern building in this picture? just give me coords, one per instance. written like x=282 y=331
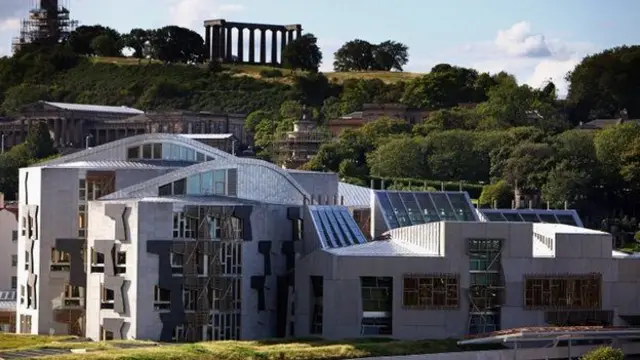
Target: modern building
x=165 y=238
x=78 y=126
x=8 y=244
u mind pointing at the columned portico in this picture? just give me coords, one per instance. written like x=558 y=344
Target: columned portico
x=220 y=45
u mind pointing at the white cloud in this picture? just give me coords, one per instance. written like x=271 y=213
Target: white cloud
x=533 y=58
x=191 y=13
x=9 y=24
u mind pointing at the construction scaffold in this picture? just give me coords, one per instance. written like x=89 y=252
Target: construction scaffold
x=48 y=22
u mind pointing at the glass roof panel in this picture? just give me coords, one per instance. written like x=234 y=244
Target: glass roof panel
x=494 y=216
x=413 y=210
x=461 y=206
x=335 y=226
x=443 y=207
x=345 y=219
x=319 y=228
x=512 y=217
x=530 y=217
x=547 y=218
x=429 y=212
x=331 y=241
x=399 y=209
x=566 y=219
x=387 y=210
x=337 y=231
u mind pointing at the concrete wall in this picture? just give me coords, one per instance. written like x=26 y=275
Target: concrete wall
x=8 y=247
x=342 y=299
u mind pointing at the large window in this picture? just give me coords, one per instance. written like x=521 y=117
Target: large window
x=161 y=298
x=60 y=261
x=563 y=292
x=430 y=291
x=377 y=294
x=207 y=183
x=73 y=296
x=159 y=151
x=184 y=227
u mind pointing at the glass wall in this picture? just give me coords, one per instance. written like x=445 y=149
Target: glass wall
x=162 y=151
x=567 y=217
x=212 y=182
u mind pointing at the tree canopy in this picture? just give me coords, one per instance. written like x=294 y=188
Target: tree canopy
x=360 y=55
x=302 y=53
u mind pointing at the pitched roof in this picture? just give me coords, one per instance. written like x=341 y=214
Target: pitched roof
x=94 y=108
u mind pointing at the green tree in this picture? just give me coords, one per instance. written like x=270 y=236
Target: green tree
x=137 y=39
x=81 y=39
x=604 y=83
x=447 y=119
x=604 y=353
x=390 y=55
x=105 y=45
x=38 y=142
x=18 y=96
x=302 y=53
x=10 y=164
x=499 y=193
x=445 y=86
x=354 y=55
x=611 y=144
x=452 y=155
x=177 y=44
x=528 y=166
x=399 y=157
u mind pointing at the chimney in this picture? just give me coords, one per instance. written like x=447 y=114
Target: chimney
x=1 y=200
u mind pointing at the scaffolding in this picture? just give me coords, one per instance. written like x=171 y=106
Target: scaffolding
x=294 y=148
x=48 y=22
x=486 y=286
x=212 y=273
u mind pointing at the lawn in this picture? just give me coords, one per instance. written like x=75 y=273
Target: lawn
x=13 y=341
x=255 y=70
x=17 y=342
x=279 y=349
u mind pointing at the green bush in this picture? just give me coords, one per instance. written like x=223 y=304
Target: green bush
x=271 y=73
x=604 y=353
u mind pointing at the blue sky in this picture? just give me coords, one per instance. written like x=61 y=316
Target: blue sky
x=536 y=40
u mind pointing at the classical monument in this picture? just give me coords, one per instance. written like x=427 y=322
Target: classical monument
x=294 y=148
x=218 y=41
x=74 y=126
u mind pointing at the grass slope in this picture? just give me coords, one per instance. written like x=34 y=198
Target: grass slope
x=279 y=349
x=255 y=70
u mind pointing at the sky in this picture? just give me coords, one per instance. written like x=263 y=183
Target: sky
x=536 y=40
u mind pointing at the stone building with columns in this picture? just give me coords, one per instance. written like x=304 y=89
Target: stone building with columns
x=80 y=125
x=220 y=46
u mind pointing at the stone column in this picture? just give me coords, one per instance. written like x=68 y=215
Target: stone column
x=274 y=47
x=65 y=133
x=283 y=42
x=263 y=46
x=215 y=42
x=290 y=35
x=229 y=51
x=56 y=132
x=298 y=32
x=207 y=41
x=252 y=45
x=223 y=44
x=240 y=44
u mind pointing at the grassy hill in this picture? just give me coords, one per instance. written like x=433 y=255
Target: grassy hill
x=256 y=70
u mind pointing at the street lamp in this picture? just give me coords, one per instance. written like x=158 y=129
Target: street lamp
x=87 y=139
x=2 y=143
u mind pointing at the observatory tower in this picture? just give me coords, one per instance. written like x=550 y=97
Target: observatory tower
x=48 y=23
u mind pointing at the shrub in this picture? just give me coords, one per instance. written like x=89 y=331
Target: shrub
x=604 y=353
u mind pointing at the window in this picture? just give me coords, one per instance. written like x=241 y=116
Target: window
x=563 y=292
x=133 y=153
x=105 y=335
x=430 y=291
x=73 y=296
x=177 y=263
x=214 y=227
x=23 y=293
x=219 y=182
x=82 y=220
x=157 y=151
x=27 y=260
x=178 y=334
x=107 y=298
x=180 y=187
x=14 y=235
x=161 y=298
x=189 y=299
x=202 y=265
x=184 y=226
x=97 y=261
x=14 y=282
x=60 y=261
x=377 y=294
x=121 y=262
x=147 y=151
x=14 y=260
